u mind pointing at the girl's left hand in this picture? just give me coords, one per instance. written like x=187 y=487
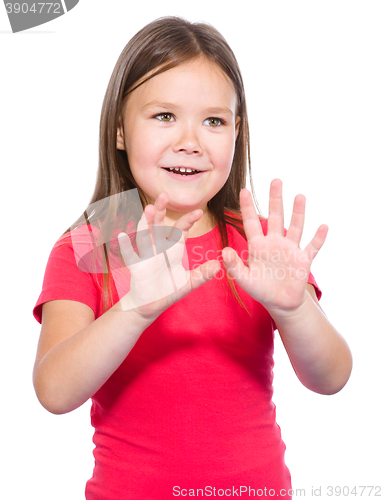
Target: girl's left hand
x=277 y=269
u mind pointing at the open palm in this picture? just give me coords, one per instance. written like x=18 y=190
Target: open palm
x=277 y=269
x=158 y=278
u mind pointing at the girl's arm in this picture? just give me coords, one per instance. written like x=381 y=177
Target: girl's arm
x=276 y=276
x=76 y=353
x=318 y=353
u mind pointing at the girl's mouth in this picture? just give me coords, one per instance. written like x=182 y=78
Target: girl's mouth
x=184 y=171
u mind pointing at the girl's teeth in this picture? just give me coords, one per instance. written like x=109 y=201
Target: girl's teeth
x=183 y=169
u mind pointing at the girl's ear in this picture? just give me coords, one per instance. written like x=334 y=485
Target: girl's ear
x=237 y=123
x=120 y=138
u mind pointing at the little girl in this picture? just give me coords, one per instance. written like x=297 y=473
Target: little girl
x=175 y=343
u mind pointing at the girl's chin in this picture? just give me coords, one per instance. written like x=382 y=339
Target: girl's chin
x=179 y=204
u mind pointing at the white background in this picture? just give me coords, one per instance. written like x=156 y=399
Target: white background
x=313 y=76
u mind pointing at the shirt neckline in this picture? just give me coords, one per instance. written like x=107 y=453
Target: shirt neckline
x=203 y=237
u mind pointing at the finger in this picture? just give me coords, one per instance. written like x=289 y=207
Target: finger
x=203 y=273
x=143 y=236
x=184 y=223
x=295 y=229
x=145 y=216
x=275 y=221
x=157 y=225
x=160 y=209
x=233 y=264
x=129 y=255
x=155 y=213
x=250 y=218
x=316 y=243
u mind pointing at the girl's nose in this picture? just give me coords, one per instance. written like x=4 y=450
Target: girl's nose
x=187 y=142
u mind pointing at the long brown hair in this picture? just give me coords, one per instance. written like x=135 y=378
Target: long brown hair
x=161 y=45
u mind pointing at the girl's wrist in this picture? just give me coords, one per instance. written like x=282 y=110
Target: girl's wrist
x=291 y=315
x=136 y=321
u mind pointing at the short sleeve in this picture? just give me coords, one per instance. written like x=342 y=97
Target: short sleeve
x=311 y=281
x=63 y=280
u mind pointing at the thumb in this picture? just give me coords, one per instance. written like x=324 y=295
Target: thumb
x=203 y=273
x=233 y=264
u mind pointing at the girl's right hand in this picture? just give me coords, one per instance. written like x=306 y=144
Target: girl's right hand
x=155 y=283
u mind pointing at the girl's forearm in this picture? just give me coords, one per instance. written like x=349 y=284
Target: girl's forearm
x=318 y=353
x=71 y=372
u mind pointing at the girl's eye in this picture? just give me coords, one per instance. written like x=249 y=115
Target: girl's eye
x=165 y=117
x=213 y=122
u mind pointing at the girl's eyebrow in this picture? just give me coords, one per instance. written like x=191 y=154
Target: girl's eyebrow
x=171 y=106
x=219 y=111
x=158 y=104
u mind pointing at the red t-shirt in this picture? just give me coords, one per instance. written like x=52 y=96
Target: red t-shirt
x=189 y=412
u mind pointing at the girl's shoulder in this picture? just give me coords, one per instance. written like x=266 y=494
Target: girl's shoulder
x=65 y=279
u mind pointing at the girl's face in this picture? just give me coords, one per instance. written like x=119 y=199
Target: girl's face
x=184 y=118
